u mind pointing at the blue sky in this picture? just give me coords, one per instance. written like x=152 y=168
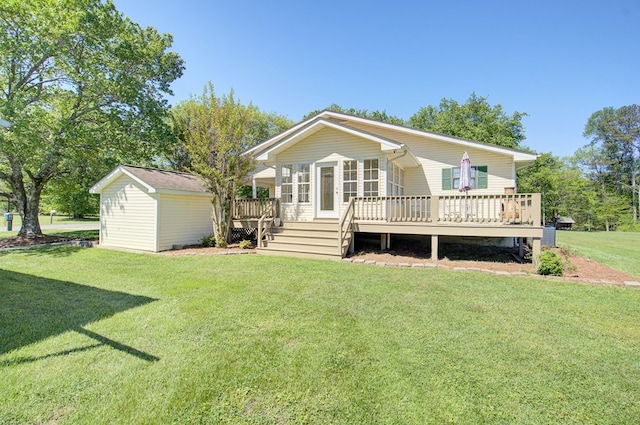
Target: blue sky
x=558 y=61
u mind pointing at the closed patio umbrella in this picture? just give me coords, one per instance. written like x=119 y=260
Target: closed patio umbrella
x=465 y=180
x=465 y=173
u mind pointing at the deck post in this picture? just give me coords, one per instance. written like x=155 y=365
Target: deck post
x=435 y=209
x=434 y=247
x=385 y=241
x=535 y=250
x=521 y=247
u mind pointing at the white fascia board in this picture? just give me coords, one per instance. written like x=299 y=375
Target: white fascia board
x=385 y=144
x=117 y=172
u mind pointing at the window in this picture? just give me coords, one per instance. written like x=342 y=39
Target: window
x=304 y=183
x=451 y=178
x=286 y=183
x=396 y=180
x=370 y=177
x=349 y=180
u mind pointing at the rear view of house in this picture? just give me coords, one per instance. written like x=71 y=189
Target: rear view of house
x=335 y=175
x=152 y=210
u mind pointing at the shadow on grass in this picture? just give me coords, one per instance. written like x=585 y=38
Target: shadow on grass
x=34 y=308
x=53 y=250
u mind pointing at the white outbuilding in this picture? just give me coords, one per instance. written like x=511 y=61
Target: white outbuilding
x=152 y=210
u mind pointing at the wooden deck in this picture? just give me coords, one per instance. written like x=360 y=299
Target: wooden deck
x=490 y=216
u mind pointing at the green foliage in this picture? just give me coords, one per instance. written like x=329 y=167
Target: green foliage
x=213 y=134
x=550 y=264
x=363 y=113
x=208 y=241
x=245 y=244
x=475 y=119
x=82 y=84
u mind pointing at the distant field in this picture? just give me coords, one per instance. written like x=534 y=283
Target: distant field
x=619 y=250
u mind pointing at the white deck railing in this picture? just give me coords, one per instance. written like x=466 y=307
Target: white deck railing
x=481 y=209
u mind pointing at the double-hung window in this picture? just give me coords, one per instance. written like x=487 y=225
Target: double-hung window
x=478 y=180
x=349 y=180
x=304 y=183
x=286 y=183
x=370 y=177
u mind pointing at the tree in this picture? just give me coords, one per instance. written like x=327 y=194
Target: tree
x=363 y=113
x=616 y=132
x=81 y=83
x=214 y=132
x=475 y=119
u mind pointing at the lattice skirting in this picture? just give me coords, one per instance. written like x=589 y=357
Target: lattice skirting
x=239 y=233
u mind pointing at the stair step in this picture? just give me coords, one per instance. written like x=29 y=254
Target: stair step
x=297 y=247
x=310 y=225
x=322 y=241
x=308 y=234
x=265 y=251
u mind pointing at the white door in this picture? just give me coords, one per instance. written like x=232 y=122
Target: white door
x=327 y=196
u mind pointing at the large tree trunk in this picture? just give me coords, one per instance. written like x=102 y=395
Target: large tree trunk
x=27 y=200
x=222 y=216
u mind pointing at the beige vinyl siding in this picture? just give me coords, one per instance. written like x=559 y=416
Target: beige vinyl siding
x=327 y=146
x=183 y=219
x=127 y=216
x=434 y=155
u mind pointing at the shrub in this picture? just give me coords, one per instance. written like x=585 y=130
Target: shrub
x=245 y=244
x=208 y=241
x=550 y=264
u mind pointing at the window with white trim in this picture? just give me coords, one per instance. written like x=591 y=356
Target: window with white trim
x=370 y=177
x=349 y=180
x=304 y=183
x=286 y=183
x=395 y=186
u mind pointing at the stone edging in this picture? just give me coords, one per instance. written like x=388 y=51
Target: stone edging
x=625 y=284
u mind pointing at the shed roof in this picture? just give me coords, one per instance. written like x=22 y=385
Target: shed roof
x=155 y=180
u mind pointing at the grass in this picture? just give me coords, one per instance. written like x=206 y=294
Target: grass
x=619 y=250
x=47 y=220
x=97 y=336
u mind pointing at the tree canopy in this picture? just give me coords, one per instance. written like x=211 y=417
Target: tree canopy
x=213 y=132
x=81 y=83
x=475 y=119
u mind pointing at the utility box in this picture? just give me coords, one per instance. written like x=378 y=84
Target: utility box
x=548 y=236
x=8 y=218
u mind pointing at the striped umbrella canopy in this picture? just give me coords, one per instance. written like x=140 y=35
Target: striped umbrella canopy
x=465 y=173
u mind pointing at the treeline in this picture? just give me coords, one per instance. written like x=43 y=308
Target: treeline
x=598 y=185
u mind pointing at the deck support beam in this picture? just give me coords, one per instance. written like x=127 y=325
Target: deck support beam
x=434 y=247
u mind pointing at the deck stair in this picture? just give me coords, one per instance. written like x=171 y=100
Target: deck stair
x=307 y=239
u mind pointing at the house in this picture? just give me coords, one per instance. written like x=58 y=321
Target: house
x=333 y=176
x=152 y=210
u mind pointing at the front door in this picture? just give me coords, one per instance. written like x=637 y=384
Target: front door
x=327 y=190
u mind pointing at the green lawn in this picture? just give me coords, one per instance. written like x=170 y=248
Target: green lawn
x=93 y=336
x=44 y=221
x=620 y=250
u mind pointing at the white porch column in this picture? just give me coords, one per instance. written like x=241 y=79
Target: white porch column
x=434 y=247
x=254 y=189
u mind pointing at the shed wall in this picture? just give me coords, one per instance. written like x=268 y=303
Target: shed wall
x=127 y=216
x=183 y=220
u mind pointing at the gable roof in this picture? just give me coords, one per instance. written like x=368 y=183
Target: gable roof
x=342 y=121
x=317 y=124
x=155 y=180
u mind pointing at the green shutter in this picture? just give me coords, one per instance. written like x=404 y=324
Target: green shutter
x=483 y=177
x=446 y=179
